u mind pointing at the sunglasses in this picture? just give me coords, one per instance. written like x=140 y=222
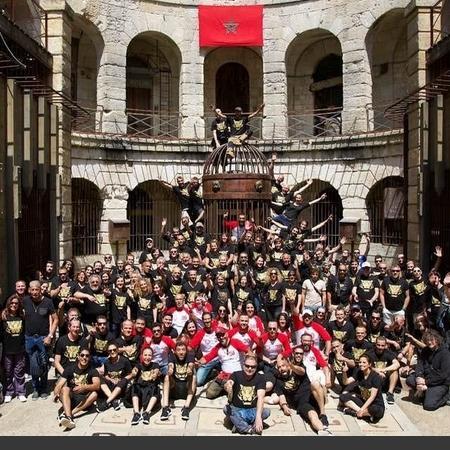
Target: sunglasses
x=112 y=350
x=298 y=353
x=395 y=270
x=84 y=355
x=14 y=303
x=376 y=318
x=101 y=324
x=248 y=366
x=272 y=328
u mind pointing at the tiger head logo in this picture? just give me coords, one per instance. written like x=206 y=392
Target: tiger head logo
x=14 y=327
x=71 y=352
x=120 y=301
x=247 y=394
x=100 y=299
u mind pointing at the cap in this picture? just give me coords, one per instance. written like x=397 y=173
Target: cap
x=149 y=239
x=199 y=225
x=307 y=312
x=238 y=108
x=221 y=330
x=366 y=264
x=356 y=307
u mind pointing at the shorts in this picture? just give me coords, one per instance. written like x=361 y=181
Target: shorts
x=179 y=390
x=389 y=316
x=317 y=376
x=121 y=383
x=145 y=392
x=76 y=399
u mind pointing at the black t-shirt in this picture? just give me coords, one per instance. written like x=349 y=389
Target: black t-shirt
x=180 y=367
x=245 y=390
x=418 y=291
x=79 y=377
x=365 y=289
x=273 y=294
x=200 y=241
x=13 y=335
x=238 y=126
x=340 y=290
x=99 y=343
x=343 y=333
x=374 y=332
x=144 y=308
x=36 y=316
x=284 y=270
x=293 y=211
x=92 y=309
x=336 y=364
x=69 y=350
x=242 y=295
x=220 y=297
x=289 y=384
x=220 y=125
x=364 y=385
x=119 y=301
x=117 y=370
x=67 y=290
x=135 y=343
x=182 y=195
x=147 y=374
x=381 y=361
x=395 y=293
x=195 y=200
x=192 y=292
x=357 y=349
x=291 y=292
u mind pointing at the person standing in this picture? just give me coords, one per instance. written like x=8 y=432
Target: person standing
x=41 y=322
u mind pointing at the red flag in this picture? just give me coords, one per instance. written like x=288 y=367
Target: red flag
x=231 y=26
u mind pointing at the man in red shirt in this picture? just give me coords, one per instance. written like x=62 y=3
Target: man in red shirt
x=228 y=351
x=243 y=333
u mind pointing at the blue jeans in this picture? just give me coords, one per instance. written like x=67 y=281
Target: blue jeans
x=36 y=344
x=98 y=361
x=243 y=418
x=204 y=371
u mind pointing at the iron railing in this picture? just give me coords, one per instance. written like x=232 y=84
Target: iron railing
x=88 y=121
x=29 y=16
x=315 y=123
x=153 y=123
x=377 y=120
x=436 y=22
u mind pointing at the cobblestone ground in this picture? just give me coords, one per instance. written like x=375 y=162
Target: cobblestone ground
x=39 y=418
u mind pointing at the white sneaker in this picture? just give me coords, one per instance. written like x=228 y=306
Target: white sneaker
x=22 y=398
x=7 y=399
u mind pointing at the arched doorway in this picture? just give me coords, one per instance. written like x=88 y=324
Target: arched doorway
x=320 y=211
x=148 y=203
x=86 y=210
x=385 y=208
x=232 y=87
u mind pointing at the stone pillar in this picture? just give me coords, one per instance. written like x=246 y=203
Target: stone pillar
x=275 y=95
x=112 y=88
x=59 y=45
x=192 y=124
x=356 y=79
x=418 y=35
x=115 y=199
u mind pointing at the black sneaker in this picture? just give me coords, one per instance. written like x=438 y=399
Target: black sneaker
x=136 y=418
x=101 y=406
x=390 y=398
x=185 y=413
x=397 y=390
x=165 y=414
x=324 y=419
x=67 y=422
x=116 y=405
x=349 y=412
x=145 y=418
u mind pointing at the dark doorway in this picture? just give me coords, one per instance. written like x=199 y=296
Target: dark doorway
x=232 y=87
x=34 y=231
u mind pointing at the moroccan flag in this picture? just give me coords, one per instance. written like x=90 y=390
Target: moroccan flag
x=231 y=26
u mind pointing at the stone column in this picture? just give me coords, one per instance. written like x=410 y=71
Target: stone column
x=418 y=35
x=356 y=78
x=192 y=123
x=59 y=45
x=112 y=87
x=115 y=199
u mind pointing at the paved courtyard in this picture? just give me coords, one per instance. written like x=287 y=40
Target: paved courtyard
x=39 y=418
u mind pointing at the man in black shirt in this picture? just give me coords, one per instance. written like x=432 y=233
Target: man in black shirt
x=41 y=322
x=341 y=328
x=357 y=347
x=220 y=130
x=98 y=341
x=386 y=365
x=394 y=296
x=366 y=289
x=129 y=345
x=339 y=289
x=246 y=390
x=418 y=291
x=76 y=389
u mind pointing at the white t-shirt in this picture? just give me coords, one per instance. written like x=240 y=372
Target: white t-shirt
x=313 y=297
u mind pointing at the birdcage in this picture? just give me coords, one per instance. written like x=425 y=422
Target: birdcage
x=236 y=180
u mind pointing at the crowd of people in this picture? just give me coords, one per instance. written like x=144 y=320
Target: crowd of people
x=265 y=316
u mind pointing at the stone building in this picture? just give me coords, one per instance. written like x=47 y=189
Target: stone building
x=142 y=87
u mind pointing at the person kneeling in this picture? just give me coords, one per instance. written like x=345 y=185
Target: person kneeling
x=246 y=390
x=180 y=383
x=76 y=389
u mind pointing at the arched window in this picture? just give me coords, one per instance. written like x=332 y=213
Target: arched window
x=385 y=207
x=320 y=211
x=86 y=211
x=148 y=204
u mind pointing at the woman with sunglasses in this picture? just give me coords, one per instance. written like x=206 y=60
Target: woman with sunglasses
x=292 y=292
x=117 y=373
x=273 y=295
x=222 y=319
x=12 y=333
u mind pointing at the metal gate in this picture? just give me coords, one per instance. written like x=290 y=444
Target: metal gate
x=148 y=204
x=86 y=211
x=34 y=232
x=320 y=211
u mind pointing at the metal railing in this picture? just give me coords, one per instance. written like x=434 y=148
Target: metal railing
x=315 y=123
x=377 y=120
x=29 y=16
x=436 y=26
x=152 y=123
x=88 y=121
